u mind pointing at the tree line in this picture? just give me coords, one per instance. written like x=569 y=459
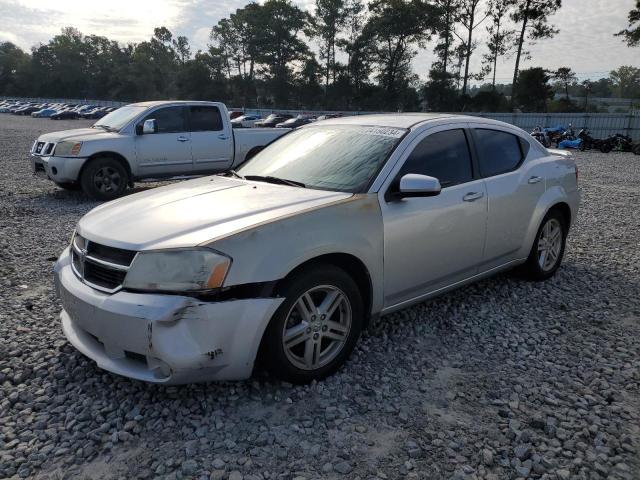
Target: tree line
x=347 y=55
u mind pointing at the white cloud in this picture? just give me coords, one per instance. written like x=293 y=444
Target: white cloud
x=585 y=42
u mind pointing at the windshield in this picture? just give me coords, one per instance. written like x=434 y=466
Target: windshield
x=120 y=117
x=333 y=157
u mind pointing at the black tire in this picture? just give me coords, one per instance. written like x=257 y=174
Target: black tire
x=636 y=149
x=95 y=183
x=73 y=186
x=531 y=269
x=276 y=359
x=605 y=147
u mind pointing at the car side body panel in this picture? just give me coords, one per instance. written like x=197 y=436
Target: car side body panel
x=272 y=250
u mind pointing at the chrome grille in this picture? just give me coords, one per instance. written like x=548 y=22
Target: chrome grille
x=43 y=148
x=100 y=266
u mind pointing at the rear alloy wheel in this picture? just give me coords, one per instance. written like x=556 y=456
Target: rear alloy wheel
x=104 y=179
x=547 y=251
x=316 y=327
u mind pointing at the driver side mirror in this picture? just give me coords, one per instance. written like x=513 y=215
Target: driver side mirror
x=415 y=185
x=149 y=126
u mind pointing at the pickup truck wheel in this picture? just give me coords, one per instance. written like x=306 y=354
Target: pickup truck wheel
x=104 y=179
x=547 y=251
x=316 y=328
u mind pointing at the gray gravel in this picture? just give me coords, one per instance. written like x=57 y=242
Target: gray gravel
x=500 y=380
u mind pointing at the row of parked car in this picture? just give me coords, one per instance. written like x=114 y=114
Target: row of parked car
x=275 y=120
x=54 y=111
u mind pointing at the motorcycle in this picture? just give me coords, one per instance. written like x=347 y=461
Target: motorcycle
x=618 y=143
x=588 y=142
x=541 y=136
x=554 y=133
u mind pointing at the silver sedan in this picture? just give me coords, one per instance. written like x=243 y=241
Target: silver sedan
x=285 y=261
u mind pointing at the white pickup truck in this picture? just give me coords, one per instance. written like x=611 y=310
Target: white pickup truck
x=146 y=140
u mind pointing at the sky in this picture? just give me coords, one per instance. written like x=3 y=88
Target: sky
x=585 y=42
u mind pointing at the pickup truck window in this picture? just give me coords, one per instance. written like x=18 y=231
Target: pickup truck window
x=333 y=157
x=205 y=119
x=169 y=119
x=120 y=117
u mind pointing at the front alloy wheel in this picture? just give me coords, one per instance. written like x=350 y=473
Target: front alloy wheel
x=317 y=326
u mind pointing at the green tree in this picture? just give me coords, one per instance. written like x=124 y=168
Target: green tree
x=14 y=64
x=330 y=19
x=626 y=82
x=631 y=34
x=470 y=19
x=395 y=28
x=357 y=46
x=533 y=90
x=565 y=76
x=440 y=92
x=447 y=12
x=532 y=17
x=279 y=44
x=500 y=39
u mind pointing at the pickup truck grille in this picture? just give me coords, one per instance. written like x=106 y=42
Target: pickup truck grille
x=100 y=266
x=43 y=148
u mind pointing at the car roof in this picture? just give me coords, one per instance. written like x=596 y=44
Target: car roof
x=403 y=120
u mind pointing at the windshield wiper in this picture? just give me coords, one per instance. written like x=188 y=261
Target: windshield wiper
x=233 y=173
x=277 y=180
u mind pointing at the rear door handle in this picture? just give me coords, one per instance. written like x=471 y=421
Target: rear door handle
x=535 y=179
x=182 y=138
x=472 y=196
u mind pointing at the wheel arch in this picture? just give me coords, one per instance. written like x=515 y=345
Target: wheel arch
x=564 y=209
x=116 y=156
x=351 y=264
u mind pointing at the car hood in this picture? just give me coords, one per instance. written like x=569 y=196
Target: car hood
x=196 y=212
x=77 y=134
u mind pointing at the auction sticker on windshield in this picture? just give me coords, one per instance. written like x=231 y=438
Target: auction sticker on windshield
x=384 y=131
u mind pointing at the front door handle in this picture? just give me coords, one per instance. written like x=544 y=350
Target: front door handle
x=223 y=136
x=182 y=138
x=473 y=196
x=535 y=179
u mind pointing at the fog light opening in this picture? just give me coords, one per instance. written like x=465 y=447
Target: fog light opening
x=54 y=170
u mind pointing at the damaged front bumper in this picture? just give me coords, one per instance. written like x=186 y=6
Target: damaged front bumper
x=58 y=169
x=168 y=339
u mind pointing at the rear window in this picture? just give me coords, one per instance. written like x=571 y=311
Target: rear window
x=498 y=152
x=205 y=119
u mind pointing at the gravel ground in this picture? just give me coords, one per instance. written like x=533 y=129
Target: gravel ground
x=500 y=380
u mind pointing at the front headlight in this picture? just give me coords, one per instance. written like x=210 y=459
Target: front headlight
x=68 y=149
x=189 y=270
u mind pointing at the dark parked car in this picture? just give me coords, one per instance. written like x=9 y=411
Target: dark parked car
x=273 y=120
x=64 y=115
x=296 y=122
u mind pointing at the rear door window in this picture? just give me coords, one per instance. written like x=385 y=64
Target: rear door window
x=443 y=155
x=205 y=119
x=498 y=151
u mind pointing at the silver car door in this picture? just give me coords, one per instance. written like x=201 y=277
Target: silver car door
x=211 y=139
x=434 y=242
x=514 y=188
x=168 y=150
